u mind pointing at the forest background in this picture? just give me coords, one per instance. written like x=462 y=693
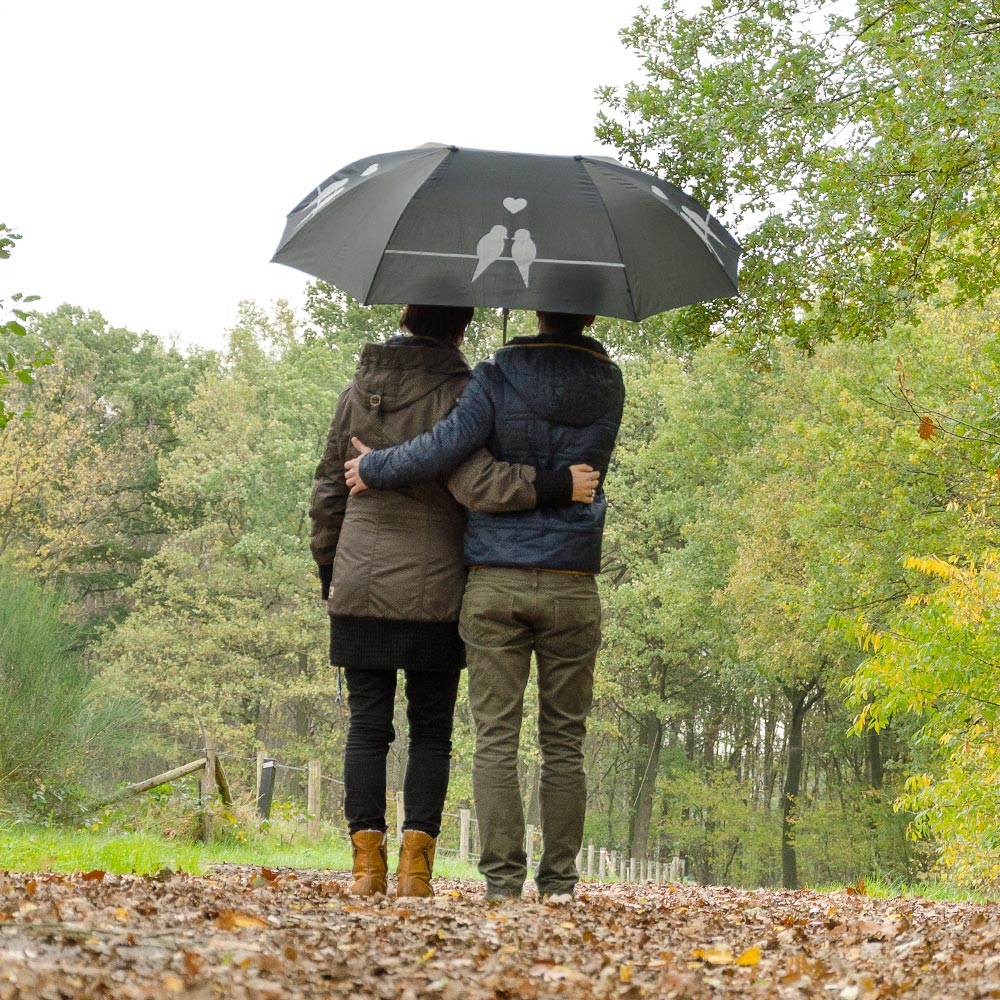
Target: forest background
x=798 y=678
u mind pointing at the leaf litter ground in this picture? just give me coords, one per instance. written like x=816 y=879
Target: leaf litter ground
x=259 y=934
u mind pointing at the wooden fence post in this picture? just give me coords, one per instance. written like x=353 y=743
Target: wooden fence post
x=602 y=864
x=464 y=817
x=265 y=789
x=313 y=798
x=223 y=783
x=590 y=859
x=208 y=788
x=260 y=769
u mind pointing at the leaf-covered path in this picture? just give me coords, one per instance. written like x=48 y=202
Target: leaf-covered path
x=255 y=934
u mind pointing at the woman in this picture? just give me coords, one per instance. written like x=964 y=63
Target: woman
x=394 y=559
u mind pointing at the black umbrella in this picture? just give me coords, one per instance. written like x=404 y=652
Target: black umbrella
x=448 y=226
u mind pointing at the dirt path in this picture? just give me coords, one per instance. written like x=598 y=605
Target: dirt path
x=244 y=934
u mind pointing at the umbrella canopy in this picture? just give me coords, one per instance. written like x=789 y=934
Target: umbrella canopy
x=447 y=226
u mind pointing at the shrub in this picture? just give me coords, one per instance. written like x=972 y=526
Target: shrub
x=54 y=720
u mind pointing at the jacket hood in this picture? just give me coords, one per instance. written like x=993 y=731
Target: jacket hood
x=405 y=370
x=571 y=384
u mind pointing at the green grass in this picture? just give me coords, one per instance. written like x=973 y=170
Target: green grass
x=38 y=848
x=881 y=888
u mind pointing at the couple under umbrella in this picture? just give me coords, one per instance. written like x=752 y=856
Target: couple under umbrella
x=472 y=534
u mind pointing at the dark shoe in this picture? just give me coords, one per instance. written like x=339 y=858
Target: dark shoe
x=416 y=863
x=370 y=864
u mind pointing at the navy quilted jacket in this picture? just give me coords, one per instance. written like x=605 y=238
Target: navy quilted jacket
x=547 y=401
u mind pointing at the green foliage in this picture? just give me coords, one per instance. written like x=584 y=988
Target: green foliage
x=936 y=661
x=74 y=495
x=752 y=505
x=56 y=721
x=726 y=838
x=140 y=381
x=14 y=363
x=929 y=663
x=225 y=626
x=855 y=152
x=77 y=482
x=37 y=848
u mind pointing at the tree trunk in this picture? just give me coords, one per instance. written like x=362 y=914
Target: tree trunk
x=875 y=759
x=710 y=741
x=770 y=771
x=302 y=707
x=532 y=809
x=647 y=767
x=802 y=697
x=399 y=751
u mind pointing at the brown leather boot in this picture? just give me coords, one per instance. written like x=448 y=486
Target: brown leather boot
x=416 y=862
x=370 y=864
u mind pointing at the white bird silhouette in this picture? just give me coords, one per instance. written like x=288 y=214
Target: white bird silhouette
x=489 y=248
x=524 y=252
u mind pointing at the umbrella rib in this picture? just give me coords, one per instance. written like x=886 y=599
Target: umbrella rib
x=614 y=233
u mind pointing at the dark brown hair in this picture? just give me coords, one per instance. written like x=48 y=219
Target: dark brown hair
x=565 y=323
x=444 y=323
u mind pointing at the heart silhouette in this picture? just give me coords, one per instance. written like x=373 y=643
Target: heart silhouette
x=514 y=205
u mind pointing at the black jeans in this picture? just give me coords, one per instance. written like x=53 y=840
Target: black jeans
x=430 y=710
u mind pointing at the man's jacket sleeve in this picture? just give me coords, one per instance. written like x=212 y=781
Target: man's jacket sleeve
x=444 y=447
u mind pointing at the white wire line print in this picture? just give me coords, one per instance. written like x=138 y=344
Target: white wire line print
x=491 y=246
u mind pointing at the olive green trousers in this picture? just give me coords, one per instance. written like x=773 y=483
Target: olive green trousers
x=508 y=614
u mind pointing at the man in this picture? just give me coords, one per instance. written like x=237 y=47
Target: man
x=545 y=400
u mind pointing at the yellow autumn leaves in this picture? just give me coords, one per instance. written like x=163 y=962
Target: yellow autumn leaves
x=723 y=954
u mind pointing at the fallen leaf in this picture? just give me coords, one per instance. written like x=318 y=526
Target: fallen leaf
x=230 y=920
x=192 y=963
x=557 y=973
x=715 y=955
x=94 y=876
x=750 y=957
x=625 y=973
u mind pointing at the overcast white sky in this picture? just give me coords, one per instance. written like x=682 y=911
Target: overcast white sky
x=152 y=151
